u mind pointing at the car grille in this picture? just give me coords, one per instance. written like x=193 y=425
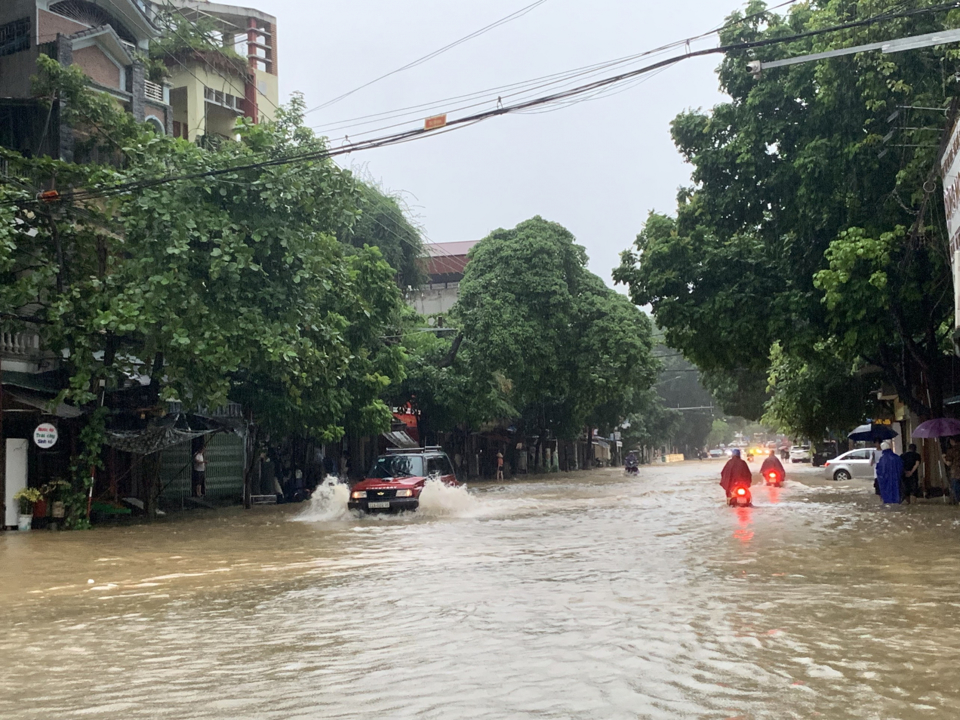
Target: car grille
x=381 y=494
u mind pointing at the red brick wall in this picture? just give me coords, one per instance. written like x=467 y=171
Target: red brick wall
x=98 y=67
x=49 y=24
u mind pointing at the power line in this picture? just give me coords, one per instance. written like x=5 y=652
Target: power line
x=417 y=133
x=426 y=58
x=522 y=87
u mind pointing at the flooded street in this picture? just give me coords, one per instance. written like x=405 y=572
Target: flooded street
x=572 y=596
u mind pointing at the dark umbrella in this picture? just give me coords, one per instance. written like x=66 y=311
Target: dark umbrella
x=939 y=427
x=870 y=433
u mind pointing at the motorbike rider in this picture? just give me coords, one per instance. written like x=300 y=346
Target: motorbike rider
x=736 y=472
x=772 y=464
x=630 y=463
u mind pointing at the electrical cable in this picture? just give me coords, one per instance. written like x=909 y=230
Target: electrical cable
x=426 y=58
x=537 y=82
x=458 y=123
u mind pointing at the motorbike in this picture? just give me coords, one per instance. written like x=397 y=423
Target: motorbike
x=632 y=470
x=772 y=477
x=749 y=457
x=739 y=496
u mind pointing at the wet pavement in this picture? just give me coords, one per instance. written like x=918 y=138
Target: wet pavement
x=573 y=596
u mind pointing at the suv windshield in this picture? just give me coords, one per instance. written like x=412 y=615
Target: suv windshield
x=390 y=466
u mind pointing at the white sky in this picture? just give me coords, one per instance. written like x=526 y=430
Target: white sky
x=597 y=167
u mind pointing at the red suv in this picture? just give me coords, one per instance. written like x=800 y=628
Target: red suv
x=397 y=478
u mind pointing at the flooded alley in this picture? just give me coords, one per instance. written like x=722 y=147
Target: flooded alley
x=571 y=596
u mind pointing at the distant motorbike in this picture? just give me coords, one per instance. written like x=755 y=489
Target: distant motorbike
x=749 y=457
x=739 y=496
x=632 y=470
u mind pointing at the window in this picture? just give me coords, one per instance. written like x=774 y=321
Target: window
x=860 y=455
x=397 y=466
x=439 y=465
x=156 y=124
x=15 y=36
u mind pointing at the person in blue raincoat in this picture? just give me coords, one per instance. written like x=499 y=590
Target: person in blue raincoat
x=889 y=473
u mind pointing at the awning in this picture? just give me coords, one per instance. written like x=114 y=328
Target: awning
x=400 y=439
x=44 y=403
x=171 y=430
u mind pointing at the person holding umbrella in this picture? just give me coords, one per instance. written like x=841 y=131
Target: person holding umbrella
x=889 y=474
x=948 y=428
x=951 y=458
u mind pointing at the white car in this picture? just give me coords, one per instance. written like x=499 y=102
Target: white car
x=800 y=453
x=851 y=464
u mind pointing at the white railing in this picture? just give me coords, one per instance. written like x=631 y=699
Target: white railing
x=19 y=344
x=153 y=91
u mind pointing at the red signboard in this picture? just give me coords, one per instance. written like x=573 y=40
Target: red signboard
x=437 y=121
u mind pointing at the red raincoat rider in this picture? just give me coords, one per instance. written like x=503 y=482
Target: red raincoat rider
x=735 y=472
x=772 y=464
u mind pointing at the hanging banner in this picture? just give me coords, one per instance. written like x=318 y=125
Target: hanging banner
x=950 y=172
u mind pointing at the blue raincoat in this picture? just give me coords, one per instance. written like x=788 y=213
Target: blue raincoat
x=889 y=472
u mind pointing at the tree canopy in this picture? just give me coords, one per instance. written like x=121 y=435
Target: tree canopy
x=573 y=350
x=807 y=226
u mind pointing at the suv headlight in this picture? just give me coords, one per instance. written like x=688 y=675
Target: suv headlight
x=405 y=493
x=358 y=494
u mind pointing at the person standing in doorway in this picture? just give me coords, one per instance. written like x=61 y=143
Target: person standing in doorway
x=200 y=473
x=499 y=466
x=951 y=458
x=911 y=473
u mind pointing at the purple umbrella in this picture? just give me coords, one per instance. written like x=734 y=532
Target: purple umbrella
x=939 y=427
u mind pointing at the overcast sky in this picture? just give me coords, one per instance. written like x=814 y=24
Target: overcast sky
x=597 y=167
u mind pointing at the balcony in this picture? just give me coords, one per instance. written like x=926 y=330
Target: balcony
x=20 y=345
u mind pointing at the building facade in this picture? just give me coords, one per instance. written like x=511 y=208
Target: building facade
x=105 y=39
x=210 y=90
x=443 y=264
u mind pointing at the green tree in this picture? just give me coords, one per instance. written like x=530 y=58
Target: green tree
x=791 y=184
x=384 y=224
x=572 y=350
x=230 y=286
x=814 y=398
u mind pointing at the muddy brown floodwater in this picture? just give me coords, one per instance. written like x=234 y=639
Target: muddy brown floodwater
x=574 y=596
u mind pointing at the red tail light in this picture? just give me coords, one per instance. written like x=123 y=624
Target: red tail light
x=741 y=491
x=773 y=476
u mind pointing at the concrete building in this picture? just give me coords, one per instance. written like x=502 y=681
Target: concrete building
x=444 y=264
x=103 y=38
x=210 y=90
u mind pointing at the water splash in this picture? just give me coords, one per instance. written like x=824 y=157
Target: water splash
x=439 y=500
x=328 y=503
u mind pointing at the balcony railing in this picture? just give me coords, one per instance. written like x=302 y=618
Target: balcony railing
x=153 y=91
x=26 y=345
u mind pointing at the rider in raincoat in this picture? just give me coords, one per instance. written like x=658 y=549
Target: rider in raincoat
x=889 y=473
x=772 y=463
x=735 y=472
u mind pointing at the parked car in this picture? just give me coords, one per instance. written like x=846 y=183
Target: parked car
x=716 y=453
x=397 y=478
x=828 y=451
x=851 y=464
x=800 y=453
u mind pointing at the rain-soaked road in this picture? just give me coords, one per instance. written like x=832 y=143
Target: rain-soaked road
x=576 y=596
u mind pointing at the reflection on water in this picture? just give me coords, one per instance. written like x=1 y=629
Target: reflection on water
x=574 y=596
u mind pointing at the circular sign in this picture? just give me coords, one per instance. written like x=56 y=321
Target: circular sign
x=45 y=436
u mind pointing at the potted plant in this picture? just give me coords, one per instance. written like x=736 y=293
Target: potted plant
x=53 y=492
x=26 y=498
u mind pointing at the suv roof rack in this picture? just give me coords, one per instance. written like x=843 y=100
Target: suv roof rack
x=428 y=448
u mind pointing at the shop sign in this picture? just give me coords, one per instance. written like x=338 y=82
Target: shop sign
x=45 y=436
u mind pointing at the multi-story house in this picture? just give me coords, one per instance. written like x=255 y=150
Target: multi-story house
x=107 y=39
x=236 y=77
